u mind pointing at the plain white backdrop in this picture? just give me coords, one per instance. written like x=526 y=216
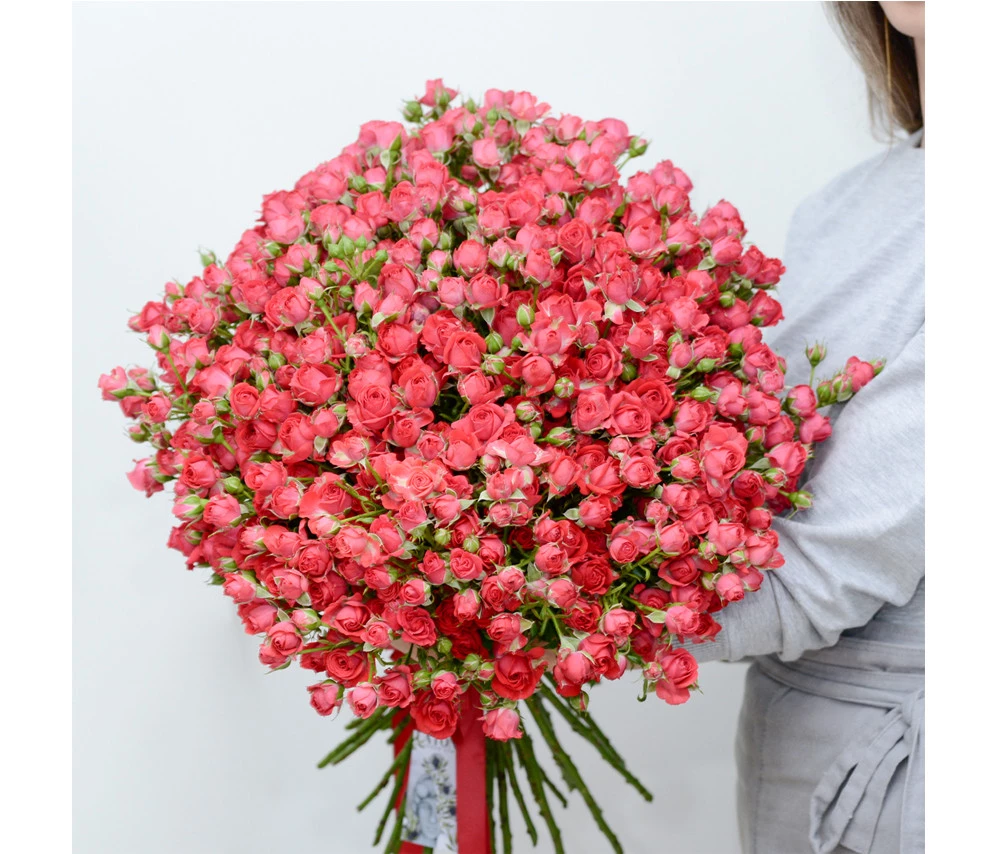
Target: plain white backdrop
x=184 y=115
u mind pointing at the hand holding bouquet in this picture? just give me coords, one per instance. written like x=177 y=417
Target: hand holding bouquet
x=466 y=425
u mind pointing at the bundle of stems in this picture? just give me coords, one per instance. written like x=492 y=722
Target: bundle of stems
x=507 y=764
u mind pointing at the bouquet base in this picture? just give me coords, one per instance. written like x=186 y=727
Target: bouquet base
x=487 y=776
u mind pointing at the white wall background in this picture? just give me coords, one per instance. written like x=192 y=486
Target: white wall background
x=184 y=116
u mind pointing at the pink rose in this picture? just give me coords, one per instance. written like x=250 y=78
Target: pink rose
x=415 y=592
x=466 y=566
x=377 y=633
x=504 y=627
x=815 y=428
x=790 y=457
x=347 y=668
x=576 y=240
x=782 y=429
x=281 y=542
x=730 y=587
x=640 y=470
x=801 y=401
x=257 y=615
x=681 y=620
x=486 y=420
x=435 y=717
x=445 y=685
x=287 y=307
x=238 y=588
x=464 y=351
x=537 y=373
x=470 y=257
x=396 y=340
x=572 y=669
x=593 y=575
x=290 y=584
x=350 y=617
x=603 y=362
x=325 y=698
x=860 y=373
x=244 y=400
x=222 y=511
x=727 y=250
x=502 y=724
x=673 y=539
x=493 y=220
x=515 y=675
x=617 y=623
x=418 y=627
x=433 y=567
x=404 y=202
x=592 y=411
x=394 y=688
x=466 y=605
x=363 y=699
x=595 y=511
x=484 y=291
x=485 y=153
x=551 y=559
x=512 y=578
x=446 y=508
x=680 y=672
x=141 y=478
x=372 y=409
x=284 y=638
x=296 y=436
x=692 y=416
x=726 y=537
x=603 y=652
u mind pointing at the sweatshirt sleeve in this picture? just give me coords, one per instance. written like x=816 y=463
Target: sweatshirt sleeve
x=861 y=545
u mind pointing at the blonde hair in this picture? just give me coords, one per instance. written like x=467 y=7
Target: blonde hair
x=889 y=62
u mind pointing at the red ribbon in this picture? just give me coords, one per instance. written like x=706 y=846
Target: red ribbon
x=473 y=827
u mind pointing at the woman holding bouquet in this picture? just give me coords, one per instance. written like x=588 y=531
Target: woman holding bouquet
x=830 y=741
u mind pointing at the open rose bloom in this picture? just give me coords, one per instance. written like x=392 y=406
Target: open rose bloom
x=467 y=423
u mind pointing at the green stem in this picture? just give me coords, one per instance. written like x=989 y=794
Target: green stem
x=499 y=765
x=396 y=838
x=526 y=755
x=326 y=313
x=396 y=789
x=176 y=372
x=398 y=729
x=553 y=787
x=350 y=490
x=569 y=770
x=397 y=763
x=360 y=737
x=597 y=731
x=507 y=757
x=491 y=776
x=582 y=724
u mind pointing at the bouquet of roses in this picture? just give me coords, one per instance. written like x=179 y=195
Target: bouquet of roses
x=466 y=425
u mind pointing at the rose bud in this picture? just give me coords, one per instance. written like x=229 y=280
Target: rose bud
x=801 y=401
x=815 y=353
x=801 y=500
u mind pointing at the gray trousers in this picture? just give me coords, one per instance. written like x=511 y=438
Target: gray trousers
x=829 y=752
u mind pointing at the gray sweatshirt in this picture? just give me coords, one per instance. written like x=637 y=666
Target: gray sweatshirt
x=854 y=562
